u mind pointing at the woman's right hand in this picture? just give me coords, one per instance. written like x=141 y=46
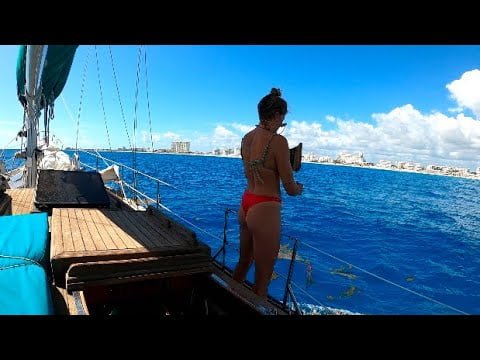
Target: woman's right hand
x=299 y=188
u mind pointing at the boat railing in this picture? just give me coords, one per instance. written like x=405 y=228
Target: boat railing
x=135 y=172
x=10 y=163
x=288 y=283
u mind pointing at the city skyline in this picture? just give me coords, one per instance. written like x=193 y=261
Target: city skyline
x=412 y=103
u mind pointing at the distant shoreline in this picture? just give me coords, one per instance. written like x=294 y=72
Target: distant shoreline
x=311 y=162
x=305 y=162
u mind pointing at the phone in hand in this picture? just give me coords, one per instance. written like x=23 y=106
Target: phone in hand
x=296 y=157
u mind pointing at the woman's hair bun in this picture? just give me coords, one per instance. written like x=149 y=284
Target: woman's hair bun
x=275 y=92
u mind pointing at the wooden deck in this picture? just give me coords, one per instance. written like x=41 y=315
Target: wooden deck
x=22 y=200
x=98 y=245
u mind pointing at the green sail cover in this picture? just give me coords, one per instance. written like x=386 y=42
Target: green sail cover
x=55 y=73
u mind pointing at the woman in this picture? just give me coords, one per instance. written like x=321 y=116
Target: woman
x=266 y=161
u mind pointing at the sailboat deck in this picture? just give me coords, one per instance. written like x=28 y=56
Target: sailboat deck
x=22 y=200
x=95 y=244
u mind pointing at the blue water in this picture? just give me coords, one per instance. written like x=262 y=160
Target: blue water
x=381 y=242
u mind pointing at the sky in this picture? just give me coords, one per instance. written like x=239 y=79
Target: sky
x=417 y=103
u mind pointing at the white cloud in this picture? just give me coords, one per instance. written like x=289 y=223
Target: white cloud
x=330 y=118
x=158 y=137
x=456 y=109
x=222 y=132
x=224 y=138
x=404 y=133
x=170 y=135
x=466 y=91
x=401 y=134
x=160 y=140
x=243 y=128
x=221 y=137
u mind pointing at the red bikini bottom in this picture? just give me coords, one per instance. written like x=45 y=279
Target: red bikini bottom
x=249 y=199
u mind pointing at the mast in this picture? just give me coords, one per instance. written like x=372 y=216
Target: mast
x=35 y=59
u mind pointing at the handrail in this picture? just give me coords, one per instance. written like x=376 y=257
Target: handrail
x=325 y=307
x=288 y=287
x=155 y=179
x=158 y=181
x=129 y=168
x=225 y=240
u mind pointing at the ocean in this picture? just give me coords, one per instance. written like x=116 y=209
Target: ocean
x=378 y=241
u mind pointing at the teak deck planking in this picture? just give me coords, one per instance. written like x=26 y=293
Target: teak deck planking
x=22 y=200
x=115 y=238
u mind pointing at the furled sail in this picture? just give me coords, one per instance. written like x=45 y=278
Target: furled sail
x=58 y=62
x=42 y=71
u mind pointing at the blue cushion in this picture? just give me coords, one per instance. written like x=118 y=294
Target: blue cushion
x=25 y=236
x=24 y=290
x=24 y=284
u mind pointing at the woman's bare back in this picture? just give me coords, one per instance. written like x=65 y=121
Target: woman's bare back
x=275 y=167
x=258 y=152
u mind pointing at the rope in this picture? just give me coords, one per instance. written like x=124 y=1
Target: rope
x=20 y=258
x=4 y=148
x=135 y=117
x=191 y=194
x=89 y=166
x=148 y=100
x=101 y=99
x=118 y=95
x=101 y=157
x=10 y=160
x=129 y=168
x=386 y=280
x=67 y=108
x=81 y=98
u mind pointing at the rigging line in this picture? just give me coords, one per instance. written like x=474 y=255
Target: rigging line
x=101 y=157
x=118 y=95
x=81 y=97
x=67 y=108
x=148 y=100
x=5 y=146
x=129 y=168
x=101 y=99
x=139 y=57
x=222 y=206
x=386 y=280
